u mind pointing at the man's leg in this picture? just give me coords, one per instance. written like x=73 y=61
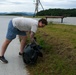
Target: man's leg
x=22 y=42
x=3 y=49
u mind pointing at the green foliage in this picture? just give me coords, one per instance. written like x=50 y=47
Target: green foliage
x=57 y=12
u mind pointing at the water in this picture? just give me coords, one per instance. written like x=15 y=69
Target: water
x=67 y=20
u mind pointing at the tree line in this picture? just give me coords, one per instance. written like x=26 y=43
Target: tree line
x=57 y=12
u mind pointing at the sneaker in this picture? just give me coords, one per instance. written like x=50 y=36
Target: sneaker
x=20 y=53
x=2 y=59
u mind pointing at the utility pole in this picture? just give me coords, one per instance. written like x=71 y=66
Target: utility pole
x=36 y=6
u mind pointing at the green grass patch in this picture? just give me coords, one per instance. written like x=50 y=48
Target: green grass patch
x=59 y=50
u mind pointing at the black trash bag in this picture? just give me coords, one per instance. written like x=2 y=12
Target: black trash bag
x=31 y=53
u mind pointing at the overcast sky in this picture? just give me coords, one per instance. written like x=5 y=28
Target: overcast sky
x=29 y=5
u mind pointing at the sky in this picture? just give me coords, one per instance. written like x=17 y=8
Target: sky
x=29 y=5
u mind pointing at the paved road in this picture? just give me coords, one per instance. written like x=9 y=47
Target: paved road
x=15 y=65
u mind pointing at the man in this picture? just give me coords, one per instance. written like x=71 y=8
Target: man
x=19 y=26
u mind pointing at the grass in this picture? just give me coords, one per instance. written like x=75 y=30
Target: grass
x=59 y=50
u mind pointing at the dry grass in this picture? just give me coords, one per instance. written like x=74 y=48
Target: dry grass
x=59 y=50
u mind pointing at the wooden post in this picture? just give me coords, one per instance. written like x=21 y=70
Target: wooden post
x=61 y=20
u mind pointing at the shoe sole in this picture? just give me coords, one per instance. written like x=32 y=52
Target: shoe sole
x=3 y=62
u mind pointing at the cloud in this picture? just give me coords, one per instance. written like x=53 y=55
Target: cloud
x=29 y=5
x=14 y=2
x=16 y=6
x=59 y=4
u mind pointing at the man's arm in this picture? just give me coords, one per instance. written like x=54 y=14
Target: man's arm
x=32 y=36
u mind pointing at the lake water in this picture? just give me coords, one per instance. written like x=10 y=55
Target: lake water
x=68 y=20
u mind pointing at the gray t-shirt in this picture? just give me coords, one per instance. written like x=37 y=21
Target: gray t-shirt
x=25 y=24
